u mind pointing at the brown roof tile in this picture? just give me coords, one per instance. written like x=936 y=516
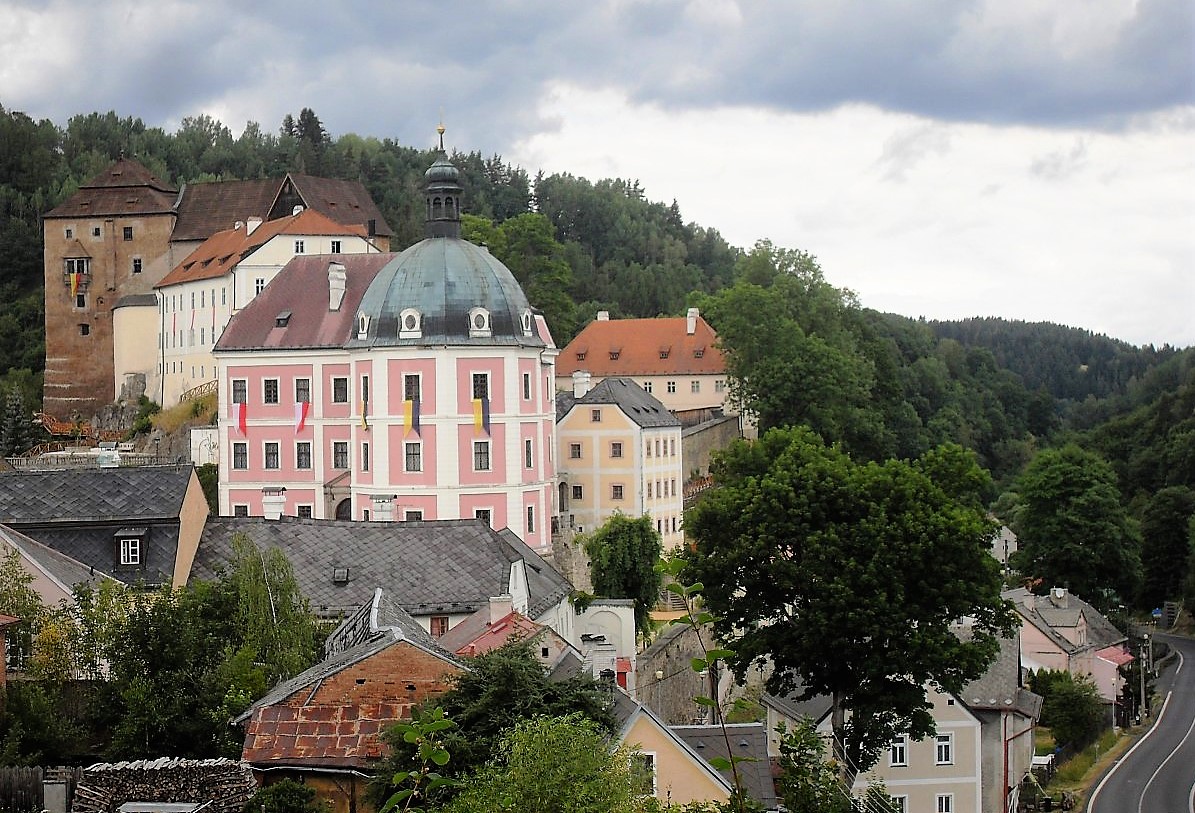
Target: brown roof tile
x=221 y=252
x=125 y=188
x=623 y=347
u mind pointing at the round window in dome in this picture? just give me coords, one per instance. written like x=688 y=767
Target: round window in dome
x=410 y=323
x=479 y=321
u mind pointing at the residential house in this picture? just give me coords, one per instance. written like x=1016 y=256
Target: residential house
x=1061 y=631
x=498 y=624
x=140 y=525
x=198 y=297
x=439 y=571
x=620 y=452
x=392 y=387
x=748 y=747
x=54 y=575
x=975 y=762
x=676 y=359
x=323 y=727
x=107 y=245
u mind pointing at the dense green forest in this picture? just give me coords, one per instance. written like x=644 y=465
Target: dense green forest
x=800 y=350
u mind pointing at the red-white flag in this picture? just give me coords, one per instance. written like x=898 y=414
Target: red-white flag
x=238 y=411
x=301 y=410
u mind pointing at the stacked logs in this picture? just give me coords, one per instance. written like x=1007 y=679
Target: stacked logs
x=221 y=785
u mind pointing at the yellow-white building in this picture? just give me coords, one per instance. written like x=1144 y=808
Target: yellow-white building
x=619 y=451
x=198 y=297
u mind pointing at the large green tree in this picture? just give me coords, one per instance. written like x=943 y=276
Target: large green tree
x=848 y=578
x=1072 y=529
x=1166 y=544
x=557 y=765
x=623 y=554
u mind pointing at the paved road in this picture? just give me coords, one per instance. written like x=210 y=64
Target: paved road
x=1157 y=775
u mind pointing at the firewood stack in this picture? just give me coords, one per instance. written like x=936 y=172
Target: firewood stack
x=222 y=784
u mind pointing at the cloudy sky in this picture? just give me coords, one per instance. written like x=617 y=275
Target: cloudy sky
x=942 y=158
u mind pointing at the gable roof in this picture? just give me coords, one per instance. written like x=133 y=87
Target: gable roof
x=124 y=188
x=477 y=634
x=311 y=324
x=224 y=250
x=636 y=403
x=613 y=347
x=61 y=570
x=88 y=495
x=748 y=741
x=206 y=208
x=434 y=566
x=1048 y=617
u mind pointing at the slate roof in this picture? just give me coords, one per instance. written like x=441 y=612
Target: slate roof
x=435 y=566
x=999 y=688
x=748 y=740
x=221 y=252
x=125 y=188
x=58 y=567
x=612 y=347
x=206 y=208
x=301 y=287
x=637 y=403
x=56 y=496
x=1043 y=614
x=77 y=512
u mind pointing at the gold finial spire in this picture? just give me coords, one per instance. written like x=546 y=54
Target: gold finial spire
x=440 y=129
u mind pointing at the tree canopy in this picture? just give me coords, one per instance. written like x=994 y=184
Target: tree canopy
x=848 y=578
x=1072 y=529
x=623 y=554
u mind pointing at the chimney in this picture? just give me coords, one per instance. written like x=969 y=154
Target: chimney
x=500 y=607
x=603 y=316
x=336 y=278
x=251 y=225
x=581 y=383
x=1058 y=597
x=273 y=502
x=691 y=321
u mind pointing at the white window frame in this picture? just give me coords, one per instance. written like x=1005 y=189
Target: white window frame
x=265 y=455
x=336 y=247
x=340 y=382
x=478 y=447
x=305 y=511
x=898 y=752
x=306 y=446
x=944 y=749
x=944 y=803
x=407 y=448
x=271 y=392
x=303 y=393
x=616 y=449
x=130 y=551
x=339 y=446
x=244 y=449
x=240 y=390
x=617 y=491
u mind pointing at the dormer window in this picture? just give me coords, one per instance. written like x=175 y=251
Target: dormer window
x=699 y=352
x=130 y=547
x=479 y=323
x=614 y=353
x=664 y=351
x=527 y=323
x=362 y=325
x=410 y=324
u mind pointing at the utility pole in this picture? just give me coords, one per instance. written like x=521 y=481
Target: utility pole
x=1144 y=658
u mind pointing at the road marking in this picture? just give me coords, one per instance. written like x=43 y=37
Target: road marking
x=1095 y=793
x=1145 y=789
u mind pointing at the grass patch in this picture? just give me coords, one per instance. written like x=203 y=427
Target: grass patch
x=1043 y=741
x=199 y=411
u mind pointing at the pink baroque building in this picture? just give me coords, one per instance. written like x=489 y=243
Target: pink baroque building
x=392 y=387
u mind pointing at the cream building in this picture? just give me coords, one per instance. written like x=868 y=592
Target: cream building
x=619 y=452
x=227 y=271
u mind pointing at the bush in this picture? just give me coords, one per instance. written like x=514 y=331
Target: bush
x=287 y=796
x=1072 y=709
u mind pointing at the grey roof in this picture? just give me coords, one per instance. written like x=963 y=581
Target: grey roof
x=137 y=301
x=1000 y=686
x=749 y=740
x=1048 y=617
x=791 y=706
x=435 y=566
x=444 y=278
x=66 y=570
x=79 y=513
x=125 y=494
x=639 y=405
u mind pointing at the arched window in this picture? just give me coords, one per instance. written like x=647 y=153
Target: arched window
x=479 y=323
x=410 y=324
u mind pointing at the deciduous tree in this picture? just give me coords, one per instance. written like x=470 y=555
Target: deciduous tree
x=848 y=578
x=623 y=554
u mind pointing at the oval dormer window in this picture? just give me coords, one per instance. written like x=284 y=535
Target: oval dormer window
x=479 y=322
x=362 y=325
x=526 y=323
x=410 y=324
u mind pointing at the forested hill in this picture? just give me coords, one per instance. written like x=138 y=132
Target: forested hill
x=1071 y=363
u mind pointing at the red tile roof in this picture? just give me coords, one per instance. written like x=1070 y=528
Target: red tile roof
x=626 y=347
x=222 y=251
x=1115 y=654
x=321 y=736
x=471 y=640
